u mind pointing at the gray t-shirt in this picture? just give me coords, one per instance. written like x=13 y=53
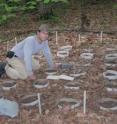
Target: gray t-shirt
x=29 y=46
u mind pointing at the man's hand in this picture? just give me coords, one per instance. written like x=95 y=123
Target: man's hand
x=32 y=77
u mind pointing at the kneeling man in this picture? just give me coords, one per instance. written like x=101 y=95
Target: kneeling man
x=21 y=63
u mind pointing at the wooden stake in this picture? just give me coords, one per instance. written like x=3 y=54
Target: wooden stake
x=101 y=36
x=56 y=37
x=84 y=103
x=20 y=38
x=79 y=37
x=39 y=103
x=15 y=41
x=7 y=46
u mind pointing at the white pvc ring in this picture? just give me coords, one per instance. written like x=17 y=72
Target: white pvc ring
x=111 y=57
x=62 y=54
x=107 y=100
x=110 y=49
x=78 y=75
x=33 y=103
x=77 y=102
x=71 y=86
x=39 y=84
x=110 y=77
x=111 y=89
x=51 y=73
x=87 y=56
x=88 y=50
x=7 y=88
x=110 y=65
x=66 y=48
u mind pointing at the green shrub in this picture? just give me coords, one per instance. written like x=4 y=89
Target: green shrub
x=10 y=8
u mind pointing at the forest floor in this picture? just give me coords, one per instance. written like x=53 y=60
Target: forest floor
x=93 y=82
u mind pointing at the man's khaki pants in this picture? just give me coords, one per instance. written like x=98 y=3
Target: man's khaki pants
x=15 y=69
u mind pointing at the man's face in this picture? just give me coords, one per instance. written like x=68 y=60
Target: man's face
x=43 y=35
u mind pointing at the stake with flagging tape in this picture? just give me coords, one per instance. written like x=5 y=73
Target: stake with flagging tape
x=39 y=103
x=84 y=102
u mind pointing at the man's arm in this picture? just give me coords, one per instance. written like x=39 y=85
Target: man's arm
x=28 y=57
x=48 y=55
